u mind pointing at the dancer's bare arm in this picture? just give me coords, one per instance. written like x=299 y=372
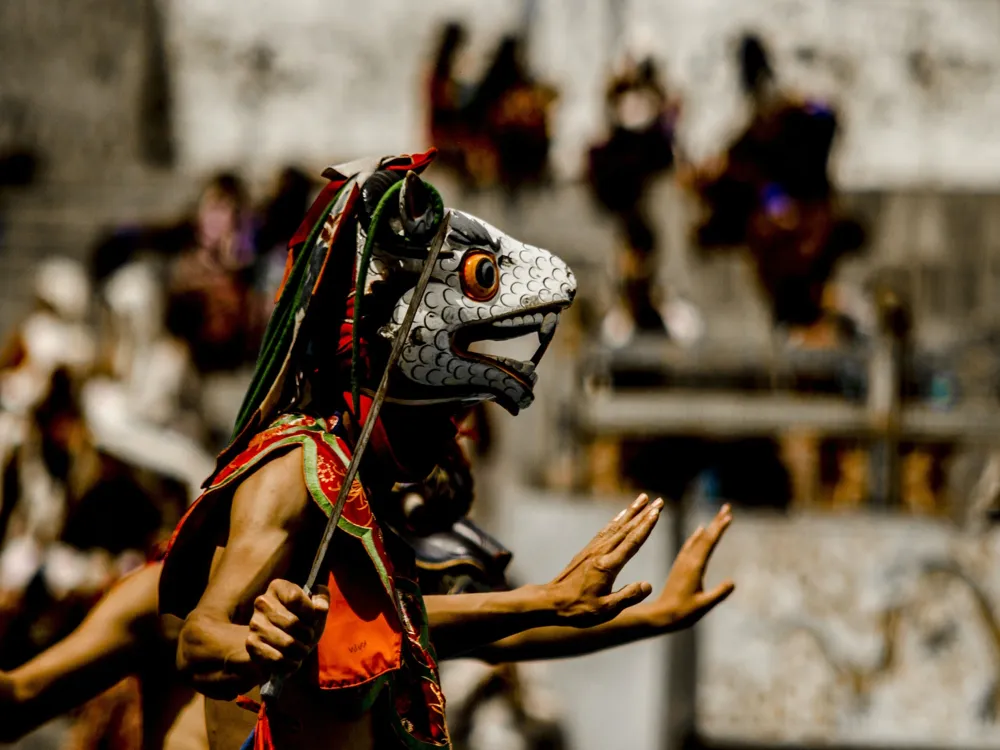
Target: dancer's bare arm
x=223 y=649
x=100 y=652
x=582 y=596
x=273 y=515
x=681 y=604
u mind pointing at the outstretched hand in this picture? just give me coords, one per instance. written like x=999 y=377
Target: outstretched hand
x=684 y=600
x=584 y=592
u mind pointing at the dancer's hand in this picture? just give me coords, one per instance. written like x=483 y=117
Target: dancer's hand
x=584 y=592
x=684 y=600
x=286 y=626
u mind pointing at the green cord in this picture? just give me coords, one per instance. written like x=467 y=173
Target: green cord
x=359 y=293
x=363 y=263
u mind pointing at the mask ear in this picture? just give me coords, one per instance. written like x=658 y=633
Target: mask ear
x=420 y=209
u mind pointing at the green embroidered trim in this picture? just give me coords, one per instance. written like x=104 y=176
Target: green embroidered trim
x=369 y=544
x=310 y=465
x=374 y=691
x=283 y=443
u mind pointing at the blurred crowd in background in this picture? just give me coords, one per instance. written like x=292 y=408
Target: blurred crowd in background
x=120 y=385
x=105 y=433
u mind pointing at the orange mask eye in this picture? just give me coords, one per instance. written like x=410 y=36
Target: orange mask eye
x=480 y=276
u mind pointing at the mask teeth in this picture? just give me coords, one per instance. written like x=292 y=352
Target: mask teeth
x=522 y=368
x=522 y=320
x=545 y=334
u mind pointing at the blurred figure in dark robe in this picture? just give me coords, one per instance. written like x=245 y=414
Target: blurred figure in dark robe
x=639 y=148
x=771 y=193
x=278 y=218
x=447 y=97
x=495 y=132
x=515 y=108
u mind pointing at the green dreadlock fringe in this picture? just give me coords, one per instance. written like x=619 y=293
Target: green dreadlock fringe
x=280 y=329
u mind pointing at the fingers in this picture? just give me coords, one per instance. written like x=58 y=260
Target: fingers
x=275 y=649
x=625 y=516
x=267 y=656
x=710 y=539
x=631 y=539
x=285 y=625
x=636 y=514
x=287 y=608
x=626 y=597
x=703 y=542
x=309 y=609
x=704 y=603
x=321 y=599
x=611 y=533
x=719 y=593
x=692 y=540
x=293 y=597
x=270 y=612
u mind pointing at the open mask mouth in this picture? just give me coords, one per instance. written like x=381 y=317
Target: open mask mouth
x=472 y=341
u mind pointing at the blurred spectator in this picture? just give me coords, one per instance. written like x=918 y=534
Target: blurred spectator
x=496 y=132
x=225 y=263
x=146 y=409
x=447 y=97
x=211 y=254
x=516 y=108
x=147 y=349
x=771 y=192
x=72 y=519
x=639 y=147
x=54 y=334
x=280 y=216
x=212 y=277
x=220 y=221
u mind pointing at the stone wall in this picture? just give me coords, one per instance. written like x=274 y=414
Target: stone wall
x=84 y=83
x=871 y=632
x=916 y=81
